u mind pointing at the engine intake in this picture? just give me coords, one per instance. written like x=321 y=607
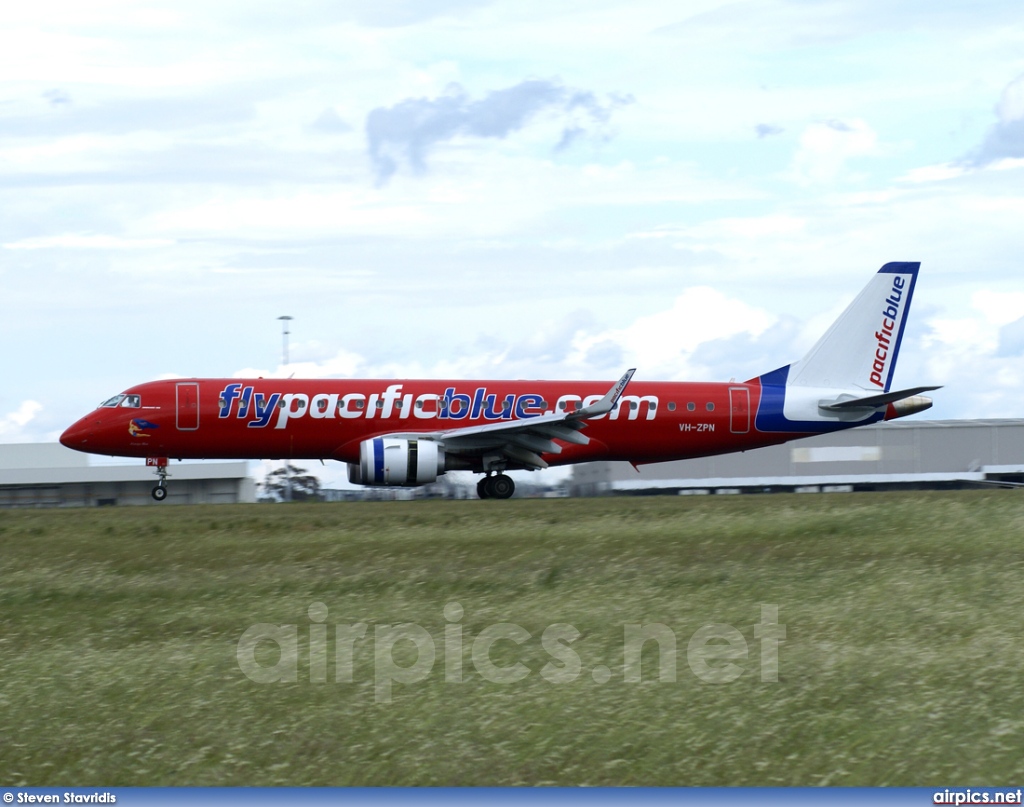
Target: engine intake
x=397 y=462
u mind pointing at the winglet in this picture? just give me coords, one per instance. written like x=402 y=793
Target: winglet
x=607 y=403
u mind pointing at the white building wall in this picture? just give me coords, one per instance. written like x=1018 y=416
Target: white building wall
x=50 y=475
x=930 y=451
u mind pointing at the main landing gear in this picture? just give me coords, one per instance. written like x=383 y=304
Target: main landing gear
x=160 y=463
x=498 y=486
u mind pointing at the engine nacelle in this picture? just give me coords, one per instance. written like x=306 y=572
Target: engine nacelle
x=397 y=462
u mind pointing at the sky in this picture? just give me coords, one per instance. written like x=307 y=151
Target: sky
x=475 y=189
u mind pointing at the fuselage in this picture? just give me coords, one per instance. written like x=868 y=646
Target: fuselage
x=407 y=433
x=328 y=419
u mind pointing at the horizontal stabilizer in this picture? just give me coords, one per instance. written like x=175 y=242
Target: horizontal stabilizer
x=847 y=402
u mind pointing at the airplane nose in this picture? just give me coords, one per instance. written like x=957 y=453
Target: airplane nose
x=77 y=435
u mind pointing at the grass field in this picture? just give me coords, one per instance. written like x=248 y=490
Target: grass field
x=902 y=663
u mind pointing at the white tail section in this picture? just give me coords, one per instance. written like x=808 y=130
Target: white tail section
x=861 y=347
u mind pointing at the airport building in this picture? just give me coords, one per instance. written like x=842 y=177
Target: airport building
x=50 y=475
x=900 y=454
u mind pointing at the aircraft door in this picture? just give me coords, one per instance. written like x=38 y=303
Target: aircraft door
x=188 y=406
x=739 y=410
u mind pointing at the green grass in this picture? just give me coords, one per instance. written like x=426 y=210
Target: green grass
x=904 y=619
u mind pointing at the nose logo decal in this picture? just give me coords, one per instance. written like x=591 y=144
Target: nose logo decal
x=138 y=427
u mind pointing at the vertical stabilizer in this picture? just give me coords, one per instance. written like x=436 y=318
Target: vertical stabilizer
x=861 y=347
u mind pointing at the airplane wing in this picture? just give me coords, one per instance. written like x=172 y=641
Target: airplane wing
x=522 y=441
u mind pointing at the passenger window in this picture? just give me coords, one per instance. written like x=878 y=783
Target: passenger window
x=671 y=406
x=691 y=406
x=710 y=406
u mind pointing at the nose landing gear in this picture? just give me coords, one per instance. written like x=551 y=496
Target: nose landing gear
x=160 y=463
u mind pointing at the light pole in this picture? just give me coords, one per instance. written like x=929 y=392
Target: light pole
x=284 y=363
x=284 y=338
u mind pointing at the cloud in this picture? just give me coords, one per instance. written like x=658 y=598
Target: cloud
x=933 y=173
x=57 y=97
x=344 y=364
x=87 y=241
x=1011 y=339
x=767 y=130
x=749 y=354
x=1005 y=140
x=826 y=147
x=569 y=136
x=998 y=307
x=1001 y=312
x=283 y=19
x=968 y=349
x=411 y=128
x=702 y=333
x=13 y=423
x=330 y=122
x=126 y=115
x=551 y=343
x=668 y=344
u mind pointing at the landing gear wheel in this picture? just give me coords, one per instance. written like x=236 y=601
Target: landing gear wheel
x=160 y=463
x=499 y=486
x=481 y=488
x=502 y=487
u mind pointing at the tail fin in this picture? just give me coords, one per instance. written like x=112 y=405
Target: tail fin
x=861 y=347
x=824 y=390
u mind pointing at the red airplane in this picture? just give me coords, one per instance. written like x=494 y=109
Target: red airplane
x=407 y=433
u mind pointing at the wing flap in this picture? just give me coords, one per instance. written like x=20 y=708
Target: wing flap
x=539 y=444
x=525 y=456
x=566 y=432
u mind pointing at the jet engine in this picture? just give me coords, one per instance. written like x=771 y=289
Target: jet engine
x=395 y=461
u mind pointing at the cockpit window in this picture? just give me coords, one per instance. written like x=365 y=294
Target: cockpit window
x=123 y=400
